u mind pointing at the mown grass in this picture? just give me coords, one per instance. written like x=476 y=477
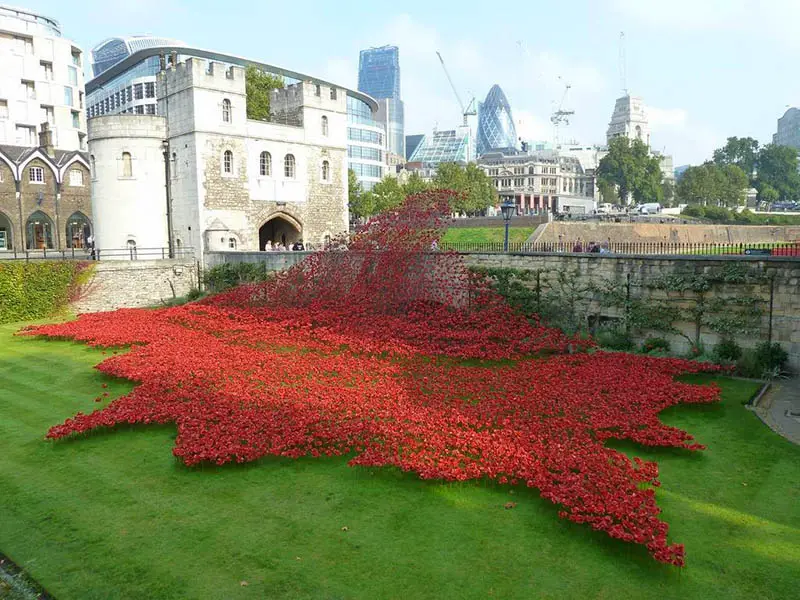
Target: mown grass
x=483 y=235
x=113 y=515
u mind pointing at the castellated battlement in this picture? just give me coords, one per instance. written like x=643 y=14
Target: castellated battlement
x=197 y=72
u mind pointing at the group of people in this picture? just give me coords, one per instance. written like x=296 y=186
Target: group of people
x=271 y=246
x=596 y=248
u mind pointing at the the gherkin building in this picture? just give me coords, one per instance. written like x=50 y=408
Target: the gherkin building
x=496 y=129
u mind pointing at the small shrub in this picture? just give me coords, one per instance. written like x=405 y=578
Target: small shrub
x=614 y=339
x=653 y=344
x=727 y=350
x=229 y=275
x=194 y=294
x=771 y=357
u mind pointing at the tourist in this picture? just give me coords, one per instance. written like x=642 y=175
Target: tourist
x=604 y=248
x=298 y=246
x=268 y=246
x=594 y=248
x=578 y=247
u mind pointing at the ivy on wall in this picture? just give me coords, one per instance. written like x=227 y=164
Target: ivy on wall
x=36 y=290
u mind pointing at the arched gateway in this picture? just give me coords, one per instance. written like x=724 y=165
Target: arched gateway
x=279 y=229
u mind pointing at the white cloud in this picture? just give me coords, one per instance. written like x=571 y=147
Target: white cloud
x=532 y=127
x=674 y=130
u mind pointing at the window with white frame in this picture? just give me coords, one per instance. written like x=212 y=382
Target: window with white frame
x=289 y=166
x=92 y=167
x=333 y=93
x=325 y=126
x=326 y=170
x=47 y=70
x=226 y=111
x=3 y=109
x=227 y=162
x=265 y=164
x=76 y=177
x=36 y=174
x=318 y=90
x=232 y=243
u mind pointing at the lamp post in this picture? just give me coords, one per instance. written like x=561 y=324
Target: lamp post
x=508 y=208
x=167 y=178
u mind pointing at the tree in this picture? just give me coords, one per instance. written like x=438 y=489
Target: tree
x=385 y=195
x=667 y=191
x=607 y=191
x=355 y=196
x=777 y=168
x=258 y=86
x=713 y=185
x=742 y=152
x=415 y=185
x=476 y=190
x=629 y=167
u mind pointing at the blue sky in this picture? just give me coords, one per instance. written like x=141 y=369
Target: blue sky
x=706 y=69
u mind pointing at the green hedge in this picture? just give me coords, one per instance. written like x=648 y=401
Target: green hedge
x=38 y=290
x=228 y=275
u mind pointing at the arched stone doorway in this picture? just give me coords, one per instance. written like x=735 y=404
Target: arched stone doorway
x=79 y=230
x=280 y=229
x=39 y=229
x=6 y=243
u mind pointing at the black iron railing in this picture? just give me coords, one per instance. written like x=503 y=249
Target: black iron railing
x=127 y=253
x=650 y=248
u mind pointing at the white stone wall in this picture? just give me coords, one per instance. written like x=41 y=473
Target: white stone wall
x=23 y=48
x=128 y=208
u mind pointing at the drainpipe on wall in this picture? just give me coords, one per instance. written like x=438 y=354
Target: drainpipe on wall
x=21 y=244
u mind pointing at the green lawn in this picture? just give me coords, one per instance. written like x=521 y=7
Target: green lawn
x=484 y=235
x=113 y=515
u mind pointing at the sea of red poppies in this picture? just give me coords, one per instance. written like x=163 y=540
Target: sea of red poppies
x=360 y=351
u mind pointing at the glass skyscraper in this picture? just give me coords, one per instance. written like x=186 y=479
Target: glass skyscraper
x=496 y=129
x=379 y=76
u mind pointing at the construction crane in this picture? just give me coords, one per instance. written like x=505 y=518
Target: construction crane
x=466 y=111
x=561 y=116
x=623 y=64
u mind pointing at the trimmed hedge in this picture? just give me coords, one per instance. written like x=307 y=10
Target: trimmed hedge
x=38 y=290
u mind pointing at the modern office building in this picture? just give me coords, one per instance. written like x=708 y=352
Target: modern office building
x=129 y=86
x=41 y=81
x=113 y=50
x=379 y=76
x=235 y=183
x=439 y=147
x=788 y=133
x=542 y=181
x=412 y=141
x=496 y=130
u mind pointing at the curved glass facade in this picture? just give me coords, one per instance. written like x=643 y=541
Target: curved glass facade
x=365 y=143
x=108 y=53
x=496 y=129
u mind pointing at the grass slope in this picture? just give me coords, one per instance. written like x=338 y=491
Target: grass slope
x=483 y=235
x=113 y=515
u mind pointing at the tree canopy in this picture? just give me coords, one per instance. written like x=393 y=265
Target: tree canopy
x=258 y=86
x=631 y=169
x=712 y=184
x=742 y=152
x=777 y=170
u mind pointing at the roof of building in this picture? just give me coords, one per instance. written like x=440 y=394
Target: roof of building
x=28 y=15
x=140 y=55
x=18 y=154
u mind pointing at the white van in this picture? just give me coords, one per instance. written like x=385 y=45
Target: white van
x=650 y=208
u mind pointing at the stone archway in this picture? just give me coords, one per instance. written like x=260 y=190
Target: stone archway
x=6 y=232
x=78 y=230
x=279 y=229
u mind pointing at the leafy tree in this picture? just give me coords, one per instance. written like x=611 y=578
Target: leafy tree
x=742 y=152
x=477 y=192
x=667 y=191
x=258 y=86
x=777 y=168
x=355 y=196
x=415 y=185
x=607 y=191
x=385 y=195
x=768 y=194
x=713 y=185
x=629 y=167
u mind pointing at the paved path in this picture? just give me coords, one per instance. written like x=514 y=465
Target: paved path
x=780 y=408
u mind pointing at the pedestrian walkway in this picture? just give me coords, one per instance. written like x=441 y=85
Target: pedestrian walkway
x=780 y=408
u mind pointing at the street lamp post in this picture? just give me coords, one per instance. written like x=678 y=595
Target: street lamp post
x=167 y=178
x=508 y=208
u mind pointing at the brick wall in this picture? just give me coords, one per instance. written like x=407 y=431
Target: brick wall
x=134 y=284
